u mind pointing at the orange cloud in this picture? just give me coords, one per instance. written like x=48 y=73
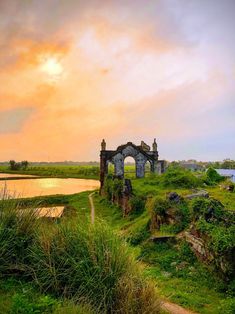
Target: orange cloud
x=108 y=73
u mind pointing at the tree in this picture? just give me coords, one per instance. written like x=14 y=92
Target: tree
x=24 y=164
x=13 y=164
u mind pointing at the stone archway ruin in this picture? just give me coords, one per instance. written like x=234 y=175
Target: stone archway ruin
x=140 y=153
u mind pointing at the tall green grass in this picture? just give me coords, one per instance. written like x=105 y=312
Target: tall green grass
x=78 y=261
x=17 y=233
x=91 y=263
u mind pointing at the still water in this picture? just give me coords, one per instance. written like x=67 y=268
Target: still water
x=37 y=187
x=11 y=175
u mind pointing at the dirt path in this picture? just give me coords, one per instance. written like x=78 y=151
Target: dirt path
x=92 y=208
x=174 y=308
x=166 y=306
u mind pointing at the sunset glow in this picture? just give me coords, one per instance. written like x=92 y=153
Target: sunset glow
x=120 y=71
x=51 y=66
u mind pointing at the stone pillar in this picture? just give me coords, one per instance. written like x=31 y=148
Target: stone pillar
x=103 y=169
x=154 y=168
x=140 y=165
x=118 y=161
x=140 y=171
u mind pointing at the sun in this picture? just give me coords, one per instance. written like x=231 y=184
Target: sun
x=51 y=66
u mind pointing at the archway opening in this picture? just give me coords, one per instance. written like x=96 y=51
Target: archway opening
x=110 y=168
x=147 y=168
x=129 y=167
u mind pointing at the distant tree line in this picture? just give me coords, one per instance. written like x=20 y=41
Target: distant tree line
x=225 y=164
x=23 y=165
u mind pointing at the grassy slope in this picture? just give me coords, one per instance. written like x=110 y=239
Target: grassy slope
x=17 y=296
x=192 y=286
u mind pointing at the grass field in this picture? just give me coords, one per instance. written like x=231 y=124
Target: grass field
x=82 y=172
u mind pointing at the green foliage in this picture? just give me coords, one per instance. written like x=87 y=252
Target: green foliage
x=17 y=230
x=162 y=209
x=108 y=187
x=212 y=177
x=18 y=165
x=168 y=255
x=113 y=188
x=207 y=208
x=178 y=177
x=90 y=262
x=217 y=229
x=227 y=306
x=223 y=238
x=137 y=203
x=158 y=206
x=22 y=304
x=21 y=297
x=117 y=188
x=82 y=261
x=139 y=232
x=227 y=164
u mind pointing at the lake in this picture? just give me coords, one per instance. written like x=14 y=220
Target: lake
x=11 y=175
x=46 y=186
x=230 y=173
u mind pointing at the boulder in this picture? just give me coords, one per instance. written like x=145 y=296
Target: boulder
x=201 y=193
x=174 y=197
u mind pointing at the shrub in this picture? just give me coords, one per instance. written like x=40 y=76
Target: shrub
x=207 y=208
x=117 y=188
x=137 y=204
x=159 y=206
x=212 y=177
x=177 y=177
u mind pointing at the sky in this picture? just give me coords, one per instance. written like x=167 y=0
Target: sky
x=73 y=72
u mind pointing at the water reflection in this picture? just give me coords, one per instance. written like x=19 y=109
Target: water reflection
x=11 y=175
x=49 y=186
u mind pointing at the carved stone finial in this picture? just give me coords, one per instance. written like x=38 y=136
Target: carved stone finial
x=154 y=146
x=103 y=145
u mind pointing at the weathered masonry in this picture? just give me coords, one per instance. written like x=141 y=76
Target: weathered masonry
x=141 y=154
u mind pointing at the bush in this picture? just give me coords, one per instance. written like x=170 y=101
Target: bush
x=178 y=177
x=137 y=204
x=158 y=206
x=117 y=188
x=207 y=208
x=212 y=177
x=108 y=187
